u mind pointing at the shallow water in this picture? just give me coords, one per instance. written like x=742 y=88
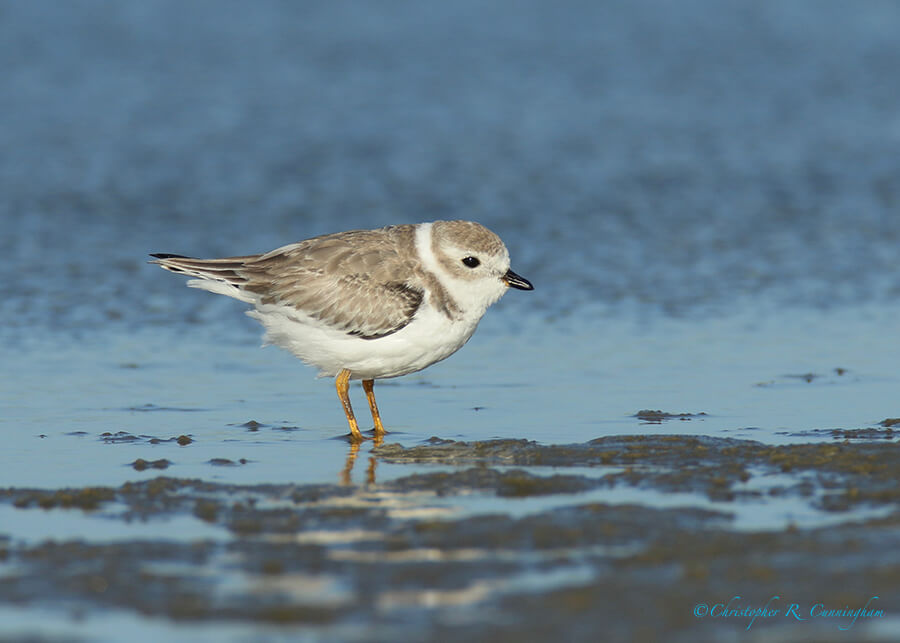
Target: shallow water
x=703 y=193
x=789 y=379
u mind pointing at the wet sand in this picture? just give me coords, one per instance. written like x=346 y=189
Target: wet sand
x=399 y=560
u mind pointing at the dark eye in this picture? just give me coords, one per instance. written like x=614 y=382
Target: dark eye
x=471 y=262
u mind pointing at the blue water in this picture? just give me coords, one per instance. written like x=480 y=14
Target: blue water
x=581 y=379
x=704 y=194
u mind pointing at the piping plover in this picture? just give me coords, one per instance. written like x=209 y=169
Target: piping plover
x=366 y=304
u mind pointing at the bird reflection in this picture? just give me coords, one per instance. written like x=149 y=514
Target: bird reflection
x=346 y=478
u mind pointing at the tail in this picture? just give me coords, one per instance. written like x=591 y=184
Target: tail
x=221 y=276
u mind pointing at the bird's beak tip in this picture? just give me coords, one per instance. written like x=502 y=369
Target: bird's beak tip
x=517 y=281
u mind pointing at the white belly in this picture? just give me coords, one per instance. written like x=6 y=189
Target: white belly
x=430 y=337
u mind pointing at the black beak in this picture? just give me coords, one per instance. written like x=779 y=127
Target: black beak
x=515 y=281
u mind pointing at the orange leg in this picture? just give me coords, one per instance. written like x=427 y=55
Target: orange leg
x=369 y=388
x=342 y=383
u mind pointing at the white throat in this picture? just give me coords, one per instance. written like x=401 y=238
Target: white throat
x=472 y=296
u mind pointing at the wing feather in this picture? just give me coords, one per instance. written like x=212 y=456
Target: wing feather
x=362 y=282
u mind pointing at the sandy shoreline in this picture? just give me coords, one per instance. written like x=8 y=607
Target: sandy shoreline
x=401 y=557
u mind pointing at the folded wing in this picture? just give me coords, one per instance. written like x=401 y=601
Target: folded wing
x=360 y=282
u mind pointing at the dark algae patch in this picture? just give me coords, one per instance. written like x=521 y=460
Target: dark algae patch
x=124 y=437
x=715 y=466
x=86 y=498
x=396 y=557
x=121 y=436
x=225 y=462
x=142 y=465
x=870 y=433
x=658 y=417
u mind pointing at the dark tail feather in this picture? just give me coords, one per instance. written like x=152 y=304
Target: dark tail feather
x=227 y=270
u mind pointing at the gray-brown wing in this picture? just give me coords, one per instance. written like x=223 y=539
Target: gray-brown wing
x=361 y=282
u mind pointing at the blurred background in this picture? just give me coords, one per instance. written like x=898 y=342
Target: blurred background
x=655 y=157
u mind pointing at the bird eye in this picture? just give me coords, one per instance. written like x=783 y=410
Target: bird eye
x=471 y=262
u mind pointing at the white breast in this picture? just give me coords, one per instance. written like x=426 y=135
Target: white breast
x=428 y=338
